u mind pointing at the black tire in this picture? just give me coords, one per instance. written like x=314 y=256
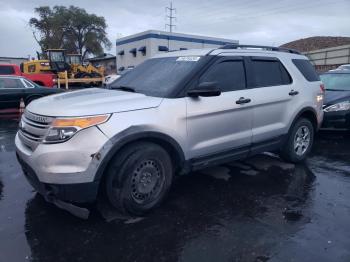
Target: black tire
x=299 y=154
x=139 y=178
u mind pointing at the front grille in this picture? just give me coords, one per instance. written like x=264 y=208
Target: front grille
x=33 y=128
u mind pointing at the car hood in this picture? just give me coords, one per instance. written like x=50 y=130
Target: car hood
x=92 y=101
x=332 y=97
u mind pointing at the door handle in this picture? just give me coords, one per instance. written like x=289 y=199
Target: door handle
x=293 y=93
x=243 y=100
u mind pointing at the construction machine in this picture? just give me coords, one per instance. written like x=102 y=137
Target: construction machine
x=81 y=70
x=68 y=68
x=55 y=63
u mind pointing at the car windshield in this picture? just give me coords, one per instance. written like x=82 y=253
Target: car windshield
x=336 y=81
x=346 y=67
x=57 y=56
x=157 y=76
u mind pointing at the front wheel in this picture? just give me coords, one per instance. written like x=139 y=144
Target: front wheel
x=299 y=142
x=139 y=178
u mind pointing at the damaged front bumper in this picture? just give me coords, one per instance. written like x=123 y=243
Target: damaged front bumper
x=76 y=193
x=63 y=195
x=64 y=173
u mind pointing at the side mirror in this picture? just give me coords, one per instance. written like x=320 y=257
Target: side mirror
x=205 y=89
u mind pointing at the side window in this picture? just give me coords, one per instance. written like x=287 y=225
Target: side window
x=10 y=83
x=32 y=68
x=269 y=72
x=228 y=74
x=7 y=70
x=306 y=68
x=28 y=84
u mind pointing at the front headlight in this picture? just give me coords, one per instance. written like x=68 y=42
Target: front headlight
x=63 y=129
x=338 y=107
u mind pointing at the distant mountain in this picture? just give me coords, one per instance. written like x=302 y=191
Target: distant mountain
x=317 y=42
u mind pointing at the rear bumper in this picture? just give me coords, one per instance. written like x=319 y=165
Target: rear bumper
x=75 y=193
x=339 y=120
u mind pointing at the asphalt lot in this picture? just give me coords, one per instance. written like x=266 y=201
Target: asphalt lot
x=261 y=209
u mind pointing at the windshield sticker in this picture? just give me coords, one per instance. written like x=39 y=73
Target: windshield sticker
x=188 y=58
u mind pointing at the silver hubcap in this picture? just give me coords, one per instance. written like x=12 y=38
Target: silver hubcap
x=302 y=140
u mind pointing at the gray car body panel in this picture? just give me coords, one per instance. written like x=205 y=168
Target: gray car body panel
x=94 y=101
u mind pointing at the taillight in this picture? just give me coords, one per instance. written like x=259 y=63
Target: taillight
x=322 y=88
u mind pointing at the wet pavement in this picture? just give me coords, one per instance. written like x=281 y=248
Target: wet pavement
x=260 y=209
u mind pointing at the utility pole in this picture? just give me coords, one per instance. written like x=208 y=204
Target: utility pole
x=170 y=14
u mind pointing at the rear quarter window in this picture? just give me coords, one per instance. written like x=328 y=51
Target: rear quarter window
x=6 y=70
x=269 y=71
x=306 y=69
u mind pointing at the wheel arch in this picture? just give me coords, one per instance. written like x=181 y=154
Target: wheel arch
x=308 y=113
x=168 y=143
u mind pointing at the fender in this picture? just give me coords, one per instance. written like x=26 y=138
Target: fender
x=133 y=134
x=304 y=110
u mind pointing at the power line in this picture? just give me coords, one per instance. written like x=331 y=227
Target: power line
x=170 y=15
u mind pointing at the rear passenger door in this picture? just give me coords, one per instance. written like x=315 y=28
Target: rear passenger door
x=219 y=124
x=272 y=97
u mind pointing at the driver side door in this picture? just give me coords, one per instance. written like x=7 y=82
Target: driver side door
x=220 y=126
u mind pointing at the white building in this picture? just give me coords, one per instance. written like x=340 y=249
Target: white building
x=329 y=58
x=134 y=49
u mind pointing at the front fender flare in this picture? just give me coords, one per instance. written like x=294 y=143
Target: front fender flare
x=130 y=135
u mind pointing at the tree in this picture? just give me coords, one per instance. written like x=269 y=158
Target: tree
x=86 y=32
x=48 y=32
x=71 y=28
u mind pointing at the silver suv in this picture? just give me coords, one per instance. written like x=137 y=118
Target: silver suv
x=174 y=113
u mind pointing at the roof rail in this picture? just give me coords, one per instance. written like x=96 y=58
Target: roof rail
x=263 y=47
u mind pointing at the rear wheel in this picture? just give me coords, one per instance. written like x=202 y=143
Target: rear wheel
x=300 y=141
x=139 y=178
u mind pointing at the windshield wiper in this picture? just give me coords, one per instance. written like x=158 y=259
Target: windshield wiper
x=125 y=88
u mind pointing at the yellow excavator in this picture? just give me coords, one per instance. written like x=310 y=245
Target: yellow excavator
x=64 y=66
x=55 y=63
x=82 y=71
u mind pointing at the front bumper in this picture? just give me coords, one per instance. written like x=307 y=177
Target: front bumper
x=66 y=170
x=338 y=120
x=76 y=193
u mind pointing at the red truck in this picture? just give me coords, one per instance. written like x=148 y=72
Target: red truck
x=47 y=79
